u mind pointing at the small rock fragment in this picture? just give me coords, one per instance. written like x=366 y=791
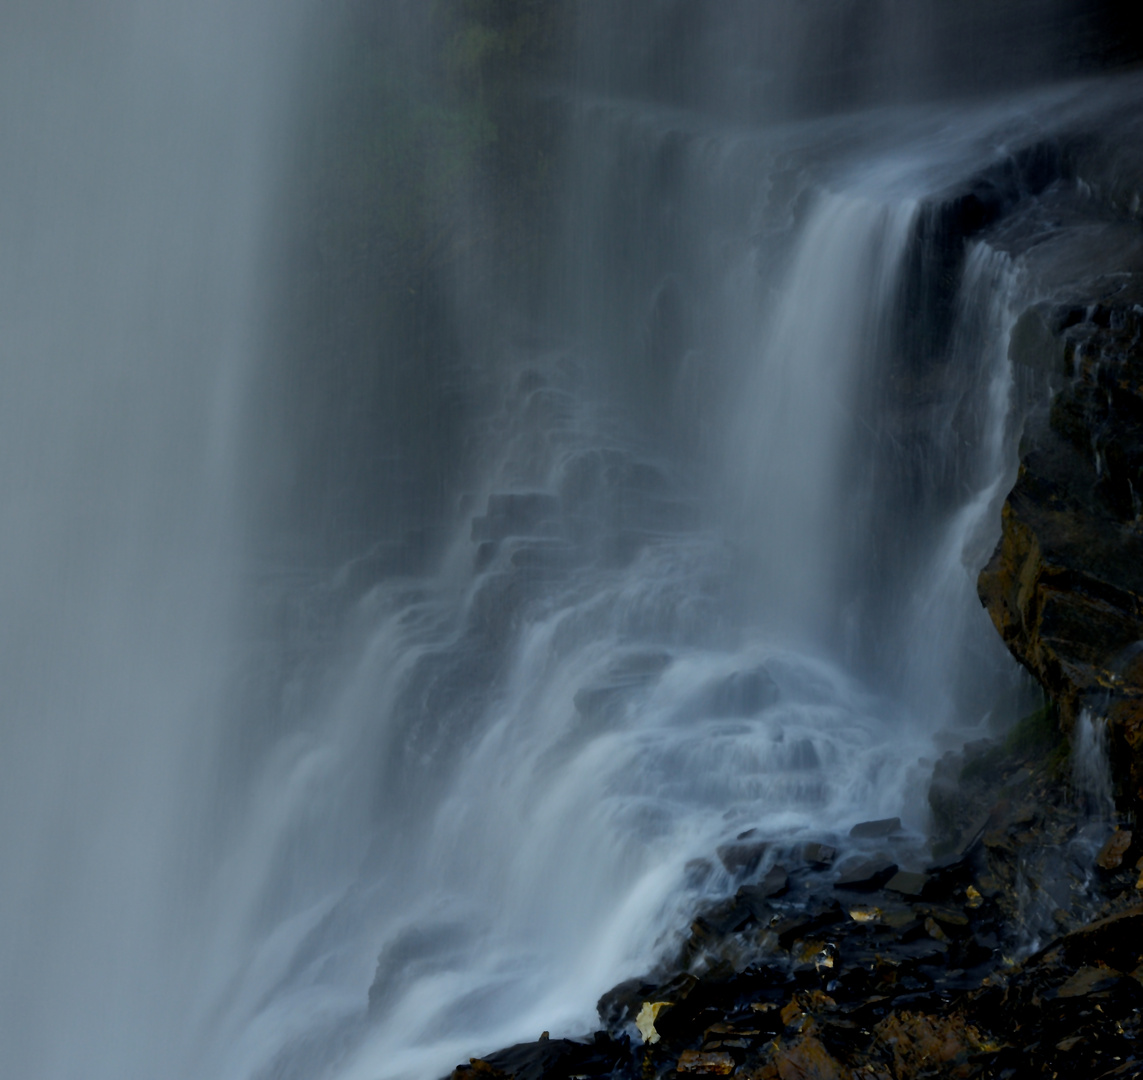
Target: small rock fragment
x=775 y=883
x=918 y=1042
x=998 y=840
x=807 y=1059
x=907 y=883
x=1086 y=981
x=870 y=830
x=742 y=858
x=725 y=1028
x=821 y=954
x=819 y=854
x=806 y=1004
x=867 y=875
x=724 y=918
x=933 y=929
x=705 y=1063
x=945 y=915
x=1111 y=855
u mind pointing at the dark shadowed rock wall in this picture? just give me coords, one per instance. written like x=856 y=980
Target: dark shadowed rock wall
x=1065 y=584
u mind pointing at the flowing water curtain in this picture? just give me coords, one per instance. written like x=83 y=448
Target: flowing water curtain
x=138 y=143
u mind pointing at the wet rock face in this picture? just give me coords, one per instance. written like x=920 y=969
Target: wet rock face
x=1065 y=585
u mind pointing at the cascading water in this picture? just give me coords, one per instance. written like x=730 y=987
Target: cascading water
x=634 y=654
x=709 y=568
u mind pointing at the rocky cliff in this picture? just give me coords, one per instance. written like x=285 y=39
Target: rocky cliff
x=1065 y=584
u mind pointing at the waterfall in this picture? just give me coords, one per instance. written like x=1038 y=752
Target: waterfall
x=647 y=635
x=286 y=793
x=1091 y=769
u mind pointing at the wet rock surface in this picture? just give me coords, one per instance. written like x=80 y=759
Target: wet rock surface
x=1015 y=951
x=1065 y=585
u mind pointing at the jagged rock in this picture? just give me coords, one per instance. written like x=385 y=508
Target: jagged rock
x=818 y=854
x=805 y=1059
x=775 y=883
x=1111 y=855
x=742 y=858
x=1116 y=941
x=921 y=1044
x=705 y=1063
x=724 y=918
x=873 y=830
x=907 y=883
x=799 y=928
x=1086 y=981
x=865 y=875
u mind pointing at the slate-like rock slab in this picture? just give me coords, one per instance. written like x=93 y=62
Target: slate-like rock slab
x=866 y=875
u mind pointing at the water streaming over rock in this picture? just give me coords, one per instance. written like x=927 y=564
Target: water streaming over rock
x=1091 y=769
x=707 y=567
